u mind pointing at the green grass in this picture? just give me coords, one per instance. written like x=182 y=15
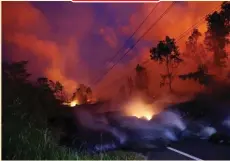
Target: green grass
x=26 y=138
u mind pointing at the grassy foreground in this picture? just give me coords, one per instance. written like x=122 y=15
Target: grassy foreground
x=27 y=138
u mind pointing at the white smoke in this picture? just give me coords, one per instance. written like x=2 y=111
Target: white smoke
x=161 y=128
x=206 y=132
x=167 y=126
x=171 y=119
x=226 y=122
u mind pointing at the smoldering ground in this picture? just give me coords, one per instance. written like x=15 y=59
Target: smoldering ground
x=204 y=116
x=120 y=131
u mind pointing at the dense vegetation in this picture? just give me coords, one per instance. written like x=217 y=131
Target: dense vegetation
x=27 y=110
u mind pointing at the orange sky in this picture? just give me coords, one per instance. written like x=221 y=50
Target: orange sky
x=60 y=56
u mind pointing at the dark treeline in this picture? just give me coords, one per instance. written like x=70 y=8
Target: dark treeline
x=35 y=123
x=167 y=53
x=216 y=39
x=39 y=98
x=34 y=117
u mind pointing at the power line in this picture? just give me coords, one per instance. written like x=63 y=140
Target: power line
x=183 y=34
x=153 y=9
x=186 y=32
x=117 y=53
x=164 y=13
x=196 y=24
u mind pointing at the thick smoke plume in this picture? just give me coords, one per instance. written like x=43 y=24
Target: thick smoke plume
x=139 y=128
x=66 y=50
x=170 y=25
x=163 y=126
x=170 y=123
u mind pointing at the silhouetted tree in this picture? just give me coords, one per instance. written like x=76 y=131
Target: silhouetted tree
x=46 y=95
x=194 y=49
x=201 y=76
x=16 y=71
x=59 y=91
x=130 y=85
x=216 y=37
x=43 y=83
x=168 y=53
x=141 y=78
x=56 y=88
x=14 y=81
x=89 y=94
x=82 y=94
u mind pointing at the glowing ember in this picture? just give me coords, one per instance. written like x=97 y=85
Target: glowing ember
x=72 y=103
x=139 y=109
x=91 y=100
x=147 y=116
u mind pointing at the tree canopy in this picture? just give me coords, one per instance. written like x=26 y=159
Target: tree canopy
x=166 y=52
x=141 y=79
x=194 y=49
x=201 y=75
x=216 y=37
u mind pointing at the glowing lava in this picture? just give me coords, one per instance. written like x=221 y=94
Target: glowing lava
x=139 y=109
x=72 y=103
x=147 y=116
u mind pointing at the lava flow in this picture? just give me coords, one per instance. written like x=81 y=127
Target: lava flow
x=139 y=109
x=72 y=103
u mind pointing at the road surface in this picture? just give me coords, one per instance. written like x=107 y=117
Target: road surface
x=192 y=150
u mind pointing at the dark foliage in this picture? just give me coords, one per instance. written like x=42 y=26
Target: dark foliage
x=168 y=53
x=216 y=37
x=201 y=76
x=141 y=79
x=194 y=49
x=83 y=94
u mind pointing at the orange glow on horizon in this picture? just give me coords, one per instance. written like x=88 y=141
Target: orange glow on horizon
x=32 y=36
x=72 y=103
x=139 y=109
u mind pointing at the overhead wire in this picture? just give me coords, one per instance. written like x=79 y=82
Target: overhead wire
x=153 y=9
x=139 y=39
x=183 y=34
x=187 y=31
x=199 y=22
x=122 y=47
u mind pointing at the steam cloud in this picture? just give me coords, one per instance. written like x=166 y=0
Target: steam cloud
x=165 y=127
x=128 y=129
x=57 y=56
